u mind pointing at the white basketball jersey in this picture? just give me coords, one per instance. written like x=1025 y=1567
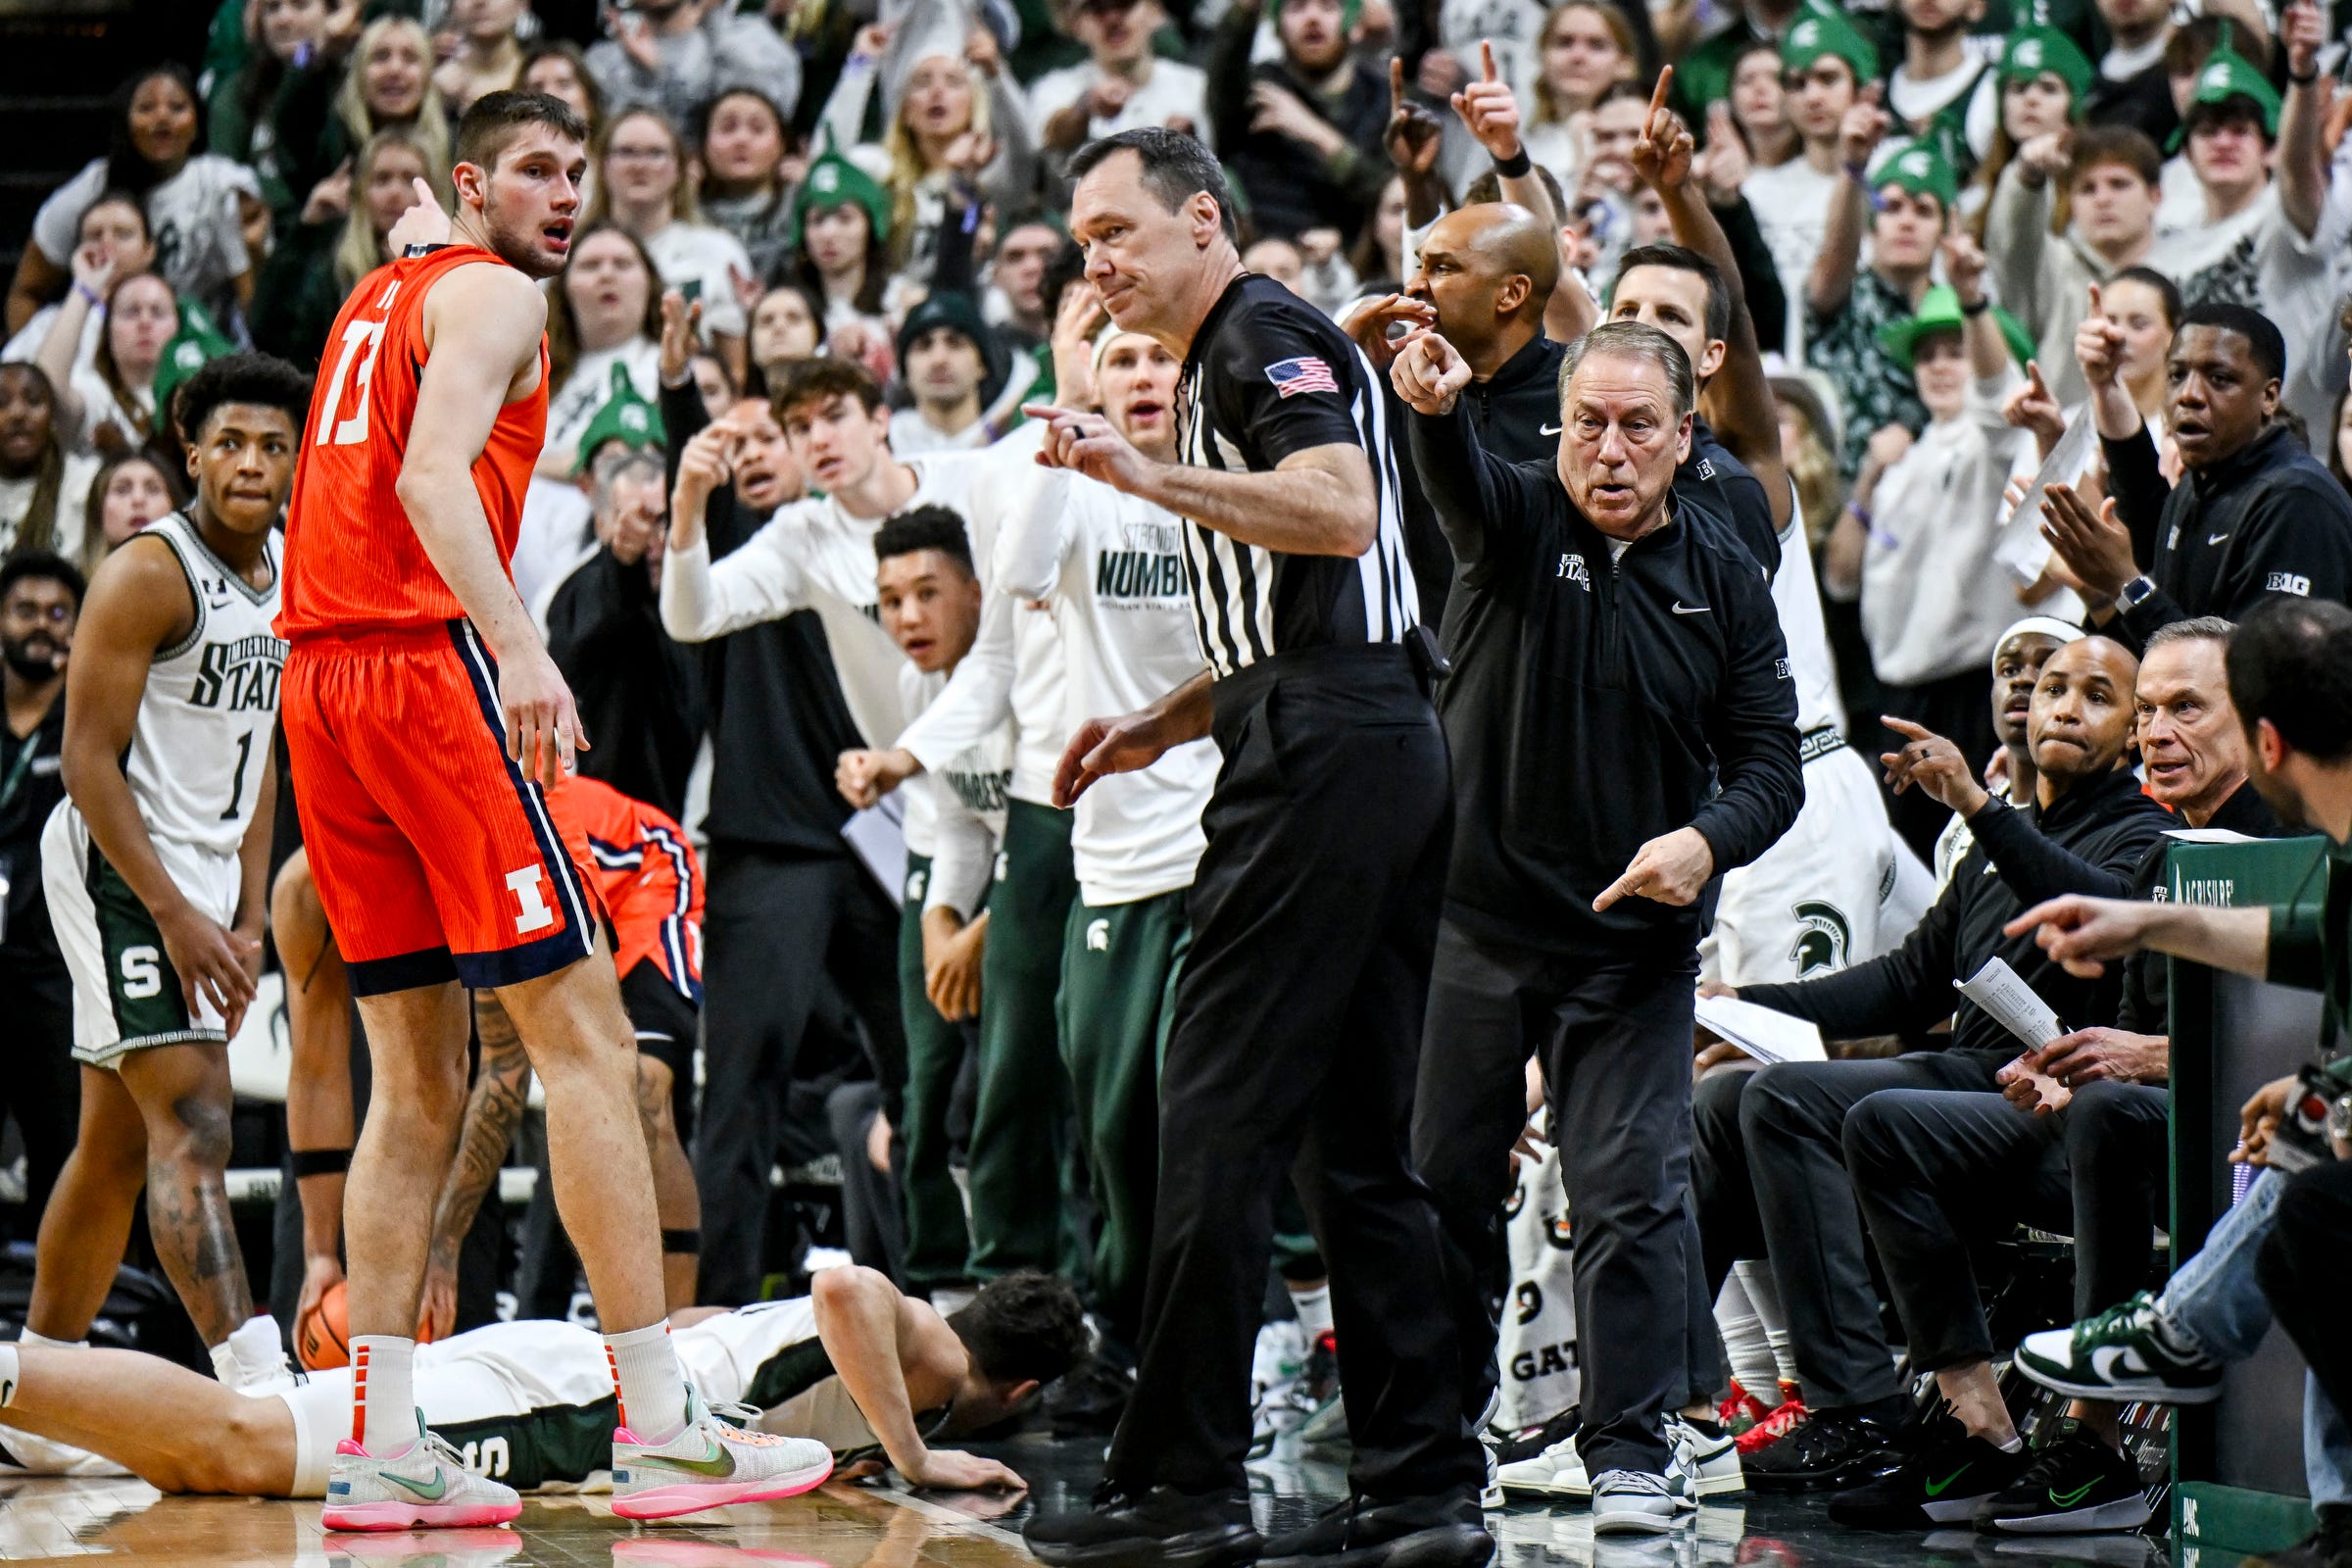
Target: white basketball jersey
x=200 y=742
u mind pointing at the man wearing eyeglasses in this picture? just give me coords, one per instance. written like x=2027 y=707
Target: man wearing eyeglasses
x=40 y=599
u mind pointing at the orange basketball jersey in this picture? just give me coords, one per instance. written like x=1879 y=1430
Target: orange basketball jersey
x=646 y=872
x=353 y=559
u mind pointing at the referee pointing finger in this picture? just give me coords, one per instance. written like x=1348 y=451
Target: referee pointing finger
x=1314 y=910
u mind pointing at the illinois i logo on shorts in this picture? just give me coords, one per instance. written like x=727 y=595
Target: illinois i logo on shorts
x=536 y=914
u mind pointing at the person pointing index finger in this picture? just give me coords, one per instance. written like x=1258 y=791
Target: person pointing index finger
x=1486 y=56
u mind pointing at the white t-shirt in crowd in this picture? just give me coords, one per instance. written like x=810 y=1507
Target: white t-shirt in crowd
x=26 y=345
x=2258 y=258
x=571 y=406
x=911 y=433
x=199 y=236
x=1173 y=92
x=72 y=505
x=700 y=254
x=1791 y=204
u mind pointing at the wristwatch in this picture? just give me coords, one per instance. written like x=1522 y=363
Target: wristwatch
x=2136 y=592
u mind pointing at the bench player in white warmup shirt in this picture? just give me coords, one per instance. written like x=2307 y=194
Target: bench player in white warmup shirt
x=857 y=1374
x=156 y=869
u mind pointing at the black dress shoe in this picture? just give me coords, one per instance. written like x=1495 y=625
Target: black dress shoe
x=1161 y=1528
x=1446 y=1531
x=1828 y=1448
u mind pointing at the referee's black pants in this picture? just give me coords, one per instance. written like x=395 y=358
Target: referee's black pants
x=1298 y=1022
x=1937 y=1170
x=1616 y=1044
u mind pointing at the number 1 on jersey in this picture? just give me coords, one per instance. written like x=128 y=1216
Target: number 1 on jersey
x=360 y=340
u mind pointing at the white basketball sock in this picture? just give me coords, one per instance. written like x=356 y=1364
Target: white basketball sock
x=652 y=1384
x=1314 y=1306
x=383 y=1392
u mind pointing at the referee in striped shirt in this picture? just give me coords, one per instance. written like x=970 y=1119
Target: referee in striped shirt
x=1314 y=913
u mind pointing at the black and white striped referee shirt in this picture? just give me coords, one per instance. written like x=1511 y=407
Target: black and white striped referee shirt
x=1270 y=376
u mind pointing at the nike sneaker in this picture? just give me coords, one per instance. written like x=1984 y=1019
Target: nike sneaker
x=2076 y=1484
x=1275 y=1367
x=424 y=1485
x=712 y=1462
x=1826 y=1448
x=1709 y=1453
x=1776 y=1423
x=2127 y=1354
x=1543 y=1462
x=1317 y=1393
x=1939 y=1483
x=1634 y=1502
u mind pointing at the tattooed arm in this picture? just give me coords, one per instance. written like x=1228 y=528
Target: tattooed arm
x=493 y=1110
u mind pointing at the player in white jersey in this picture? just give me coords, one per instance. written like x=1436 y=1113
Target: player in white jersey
x=931 y=606
x=156 y=868
x=864 y=1376
x=1839 y=885
x=1113 y=565
x=815 y=553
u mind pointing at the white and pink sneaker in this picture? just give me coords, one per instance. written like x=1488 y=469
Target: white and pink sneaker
x=424 y=1486
x=710 y=1463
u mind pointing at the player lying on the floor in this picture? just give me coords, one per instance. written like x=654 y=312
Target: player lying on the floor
x=869 y=1373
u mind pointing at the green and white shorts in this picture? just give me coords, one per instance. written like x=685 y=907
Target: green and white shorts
x=127 y=996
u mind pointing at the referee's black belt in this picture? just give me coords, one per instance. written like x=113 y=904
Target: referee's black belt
x=1818 y=743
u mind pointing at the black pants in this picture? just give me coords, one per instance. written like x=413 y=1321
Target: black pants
x=1298 y=1022
x=1936 y=1170
x=1770 y=1172
x=1959 y=707
x=772 y=925
x=871 y=1226
x=2305 y=1266
x=1616 y=1046
x=42 y=1088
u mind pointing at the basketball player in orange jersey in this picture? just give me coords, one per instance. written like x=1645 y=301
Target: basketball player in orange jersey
x=423 y=715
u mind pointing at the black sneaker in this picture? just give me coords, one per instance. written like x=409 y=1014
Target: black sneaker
x=2328 y=1546
x=1161 y=1528
x=1442 y=1532
x=1828 y=1448
x=1088 y=1398
x=2075 y=1486
x=1939 y=1483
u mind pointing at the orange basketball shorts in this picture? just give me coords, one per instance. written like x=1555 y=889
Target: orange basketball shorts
x=434 y=857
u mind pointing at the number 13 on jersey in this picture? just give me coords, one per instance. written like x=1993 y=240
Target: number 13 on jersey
x=360 y=340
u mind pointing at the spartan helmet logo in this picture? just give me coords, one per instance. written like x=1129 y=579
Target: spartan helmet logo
x=1807 y=34
x=2027 y=55
x=1824 y=939
x=1913 y=164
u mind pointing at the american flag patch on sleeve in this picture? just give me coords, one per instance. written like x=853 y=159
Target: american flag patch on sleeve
x=1305 y=373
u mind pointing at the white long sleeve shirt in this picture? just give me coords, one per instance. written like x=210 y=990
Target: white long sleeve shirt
x=1015 y=668
x=812 y=555
x=1113 y=568
x=955 y=812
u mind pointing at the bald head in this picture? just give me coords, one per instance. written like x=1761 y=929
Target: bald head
x=1488 y=270
x=2082 y=715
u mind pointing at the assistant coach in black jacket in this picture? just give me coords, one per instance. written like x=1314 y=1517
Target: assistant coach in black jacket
x=1614 y=663
x=2254 y=514
x=1772 y=1179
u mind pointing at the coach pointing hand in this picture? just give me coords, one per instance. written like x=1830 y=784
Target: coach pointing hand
x=1615 y=656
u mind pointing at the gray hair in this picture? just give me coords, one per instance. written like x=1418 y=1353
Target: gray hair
x=2200 y=629
x=613 y=467
x=1634 y=340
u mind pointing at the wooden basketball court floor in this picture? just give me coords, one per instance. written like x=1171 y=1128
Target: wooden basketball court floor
x=870 y=1526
